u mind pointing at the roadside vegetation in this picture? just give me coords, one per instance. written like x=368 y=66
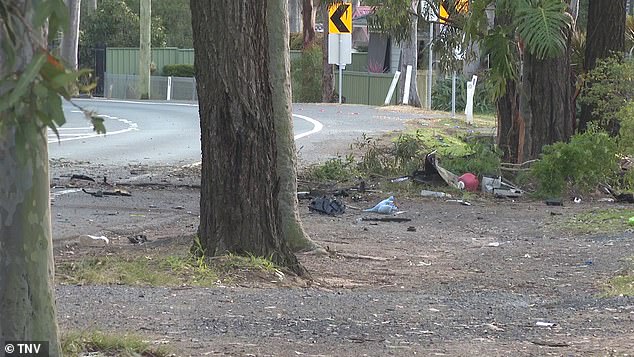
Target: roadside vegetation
x=96 y=343
x=183 y=267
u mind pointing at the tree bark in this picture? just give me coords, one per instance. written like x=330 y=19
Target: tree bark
x=545 y=104
x=27 y=302
x=409 y=57
x=239 y=206
x=145 y=48
x=279 y=72
x=70 y=39
x=295 y=15
x=605 y=36
x=328 y=77
x=508 y=122
x=308 y=23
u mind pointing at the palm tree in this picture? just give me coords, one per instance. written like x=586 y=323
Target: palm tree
x=527 y=47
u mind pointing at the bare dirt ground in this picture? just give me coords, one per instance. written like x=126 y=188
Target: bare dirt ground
x=498 y=278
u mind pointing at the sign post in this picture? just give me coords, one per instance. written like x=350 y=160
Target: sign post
x=340 y=37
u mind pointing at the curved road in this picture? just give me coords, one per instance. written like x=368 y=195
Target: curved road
x=166 y=133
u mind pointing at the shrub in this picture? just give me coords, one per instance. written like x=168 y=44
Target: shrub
x=626 y=133
x=337 y=169
x=484 y=160
x=179 y=70
x=587 y=160
x=609 y=87
x=306 y=76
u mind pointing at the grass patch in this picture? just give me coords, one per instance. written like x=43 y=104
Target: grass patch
x=107 y=344
x=139 y=270
x=600 y=221
x=622 y=285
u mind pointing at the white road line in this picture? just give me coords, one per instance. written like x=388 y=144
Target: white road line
x=134 y=102
x=81 y=136
x=317 y=126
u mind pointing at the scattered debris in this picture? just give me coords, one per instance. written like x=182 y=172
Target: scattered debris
x=304 y=195
x=631 y=221
x=550 y=343
x=138 y=239
x=400 y=179
x=386 y=206
x=437 y=194
x=605 y=199
x=94 y=240
x=82 y=177
x=500 y=188
x=545 y=324
x=411 y=229
x=462 y=202
x=100 y=193
x=329 y=206
x=469 y=182
x=552 y=213
x=493 y=244
x=577 y=200
x=363 y=257
x=626 y=197
x=554 y=202
x=385 y=219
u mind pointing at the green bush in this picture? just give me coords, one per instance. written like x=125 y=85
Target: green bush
x=587 y=160
x=337 y=169
x=179 y=70
x=484 y=160
x=626 y=133
x=609 y=87
x=306 y=75
x=482 y=101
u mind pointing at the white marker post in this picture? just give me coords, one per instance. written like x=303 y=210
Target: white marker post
x=390 y=92
x=169 y=88
x=471 y=85
x=453 y=95
x=408 y=81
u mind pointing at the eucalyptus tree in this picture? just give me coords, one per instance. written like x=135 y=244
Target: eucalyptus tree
x=239 y=207
x=32 y=83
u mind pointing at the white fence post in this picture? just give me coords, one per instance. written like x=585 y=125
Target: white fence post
x=390 y=92
x=408 y=80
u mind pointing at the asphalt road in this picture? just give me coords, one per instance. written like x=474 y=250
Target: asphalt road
x=166 y=133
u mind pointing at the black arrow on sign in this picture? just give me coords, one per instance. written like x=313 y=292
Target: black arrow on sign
x=336 y=18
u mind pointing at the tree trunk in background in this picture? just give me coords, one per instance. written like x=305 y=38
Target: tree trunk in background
x=239 y=206
x=279 y=72
x=308 y=18
x=145 y=48
x=91 y=5
x=295 y=15
x=27 y=302
x=327 y=78
x=409 y=56
x=605 y=35
x=545 y=104
x=70 y=39
x=508 y=122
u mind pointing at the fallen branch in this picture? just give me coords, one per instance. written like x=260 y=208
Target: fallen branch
x=550 y=344
x=364 y=257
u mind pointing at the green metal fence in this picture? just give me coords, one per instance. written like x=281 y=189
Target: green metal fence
x=121 y=60
x=365 y=88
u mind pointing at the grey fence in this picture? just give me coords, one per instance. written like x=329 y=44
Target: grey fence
x=125 y=86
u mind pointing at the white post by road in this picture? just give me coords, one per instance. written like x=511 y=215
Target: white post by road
x=471 y=85
x=408 y=80
x=430 y=65
x=169 y=88
x=390 y=92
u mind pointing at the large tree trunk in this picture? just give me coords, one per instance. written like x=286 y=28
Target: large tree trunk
x=605 y=35
x=239 y=206
x=27 y=303
x=308 y=24
x=70 y=39
x=279 y=71
x=409 y=57
x=328 y=77
x=545 y=104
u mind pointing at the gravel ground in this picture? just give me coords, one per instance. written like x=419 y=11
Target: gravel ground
x=494 y=278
